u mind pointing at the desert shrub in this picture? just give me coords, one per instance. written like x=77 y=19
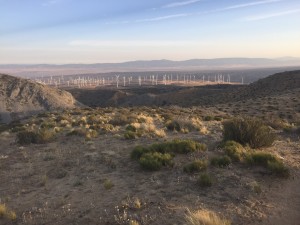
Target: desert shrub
x=260 y=158
x=173 y=126
x=205 y=217
x=27 y=137
x=6 y=213
x=269 y=161
x=122 y=119
x=218 y=118
x=196 y=166
x=107 y=128
x=278 y=168
x=144 y=119
x=208 y=118
x=108 y=184
x=134 y=222
x=167 y=116
x=234 y=150
x=175 y=146
x=62 y=117
x=178 y=146
x=205 y=180
x=138 y=151
x=186 y=146
x=184 y=124
x=90 y=133
x=129 y=135
x=248 y=131
x=35 y=137
x=131 y=128
x=155 y=160
x=45 y=136
x=157 y=155
x=221 y=161
x=77 y=132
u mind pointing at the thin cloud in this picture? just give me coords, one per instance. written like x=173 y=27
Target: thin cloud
x=250 y=4
x=126 y=43
x=51 y=2
x=239 y=6
x=161 y=18
x=268 y=16
x=180 y=4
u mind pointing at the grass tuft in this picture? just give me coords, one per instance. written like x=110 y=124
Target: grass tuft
x=196 y=166
x=6 y=213
x=205 y=180
x=221 y=161
x=205 y=217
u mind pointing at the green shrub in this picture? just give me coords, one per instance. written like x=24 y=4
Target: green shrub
x=234 y=150
x=157 y=155
x=155 y=160
x=221 y=161
x=269 y=161
x=218 y=118
x=248 y=131
x=129 y=135
x=176 y=146
x=205 y=180
x=138 y=151
x=108 y=184
x=196 y=166
x=260 y=158
x=131 y=128
x=278 y=168
x=184 y=146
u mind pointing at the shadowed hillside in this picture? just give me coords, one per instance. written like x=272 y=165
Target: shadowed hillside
x=276 y=84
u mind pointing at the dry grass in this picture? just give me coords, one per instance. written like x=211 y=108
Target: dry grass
x=205 y=217
x=6 y=213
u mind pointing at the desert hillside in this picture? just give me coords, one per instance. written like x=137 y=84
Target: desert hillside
x=20 y=97
x=278 y=94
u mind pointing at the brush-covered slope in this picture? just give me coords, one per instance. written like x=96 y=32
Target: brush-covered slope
x=275 y=84
x=20 y=97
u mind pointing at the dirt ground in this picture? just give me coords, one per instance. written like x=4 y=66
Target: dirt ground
x=77 y=181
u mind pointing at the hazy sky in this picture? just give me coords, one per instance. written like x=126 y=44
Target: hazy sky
x=95 y=31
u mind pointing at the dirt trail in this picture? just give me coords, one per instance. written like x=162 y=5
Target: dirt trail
x=287 y=205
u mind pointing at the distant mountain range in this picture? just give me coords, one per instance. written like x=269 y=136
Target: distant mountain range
x=153 y=65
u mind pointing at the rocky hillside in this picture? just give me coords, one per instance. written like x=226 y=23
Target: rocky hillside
x=20 y=98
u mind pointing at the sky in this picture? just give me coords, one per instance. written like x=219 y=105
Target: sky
x=98 y=31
